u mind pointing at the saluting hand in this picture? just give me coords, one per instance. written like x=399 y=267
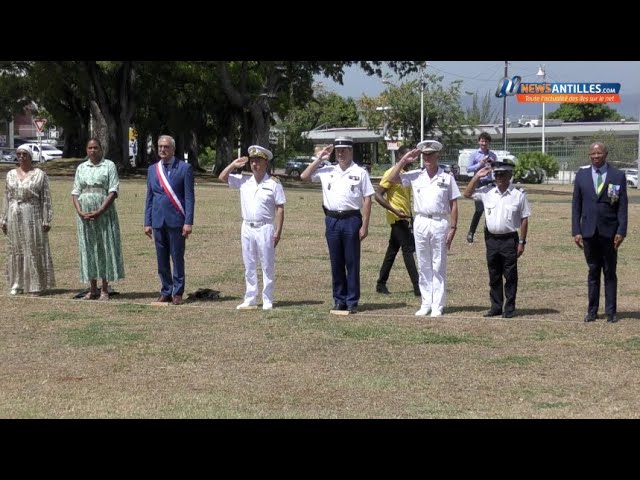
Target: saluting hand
x=483 y=171
x=240 y=162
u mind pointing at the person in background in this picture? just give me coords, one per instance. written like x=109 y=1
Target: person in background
x=346 y=200
x=26 y=220
x=599 y=226
x=435 y=198
x=95 y=189
x=506 y=210
x=397 y=200
x=262 y=203
x=477 y=160
x=168 y=217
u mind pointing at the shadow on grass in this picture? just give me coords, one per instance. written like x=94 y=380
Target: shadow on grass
x=60 y=291
x=535 y=311
x=380 y=306
x=629 y=315
x=294 y=303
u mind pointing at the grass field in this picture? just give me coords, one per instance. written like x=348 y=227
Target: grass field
x=66 y=358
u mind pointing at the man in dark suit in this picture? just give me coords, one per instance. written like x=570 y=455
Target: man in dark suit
x=168 y=216
x=599 y=225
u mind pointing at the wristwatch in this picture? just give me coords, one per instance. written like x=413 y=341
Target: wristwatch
x=523 y=242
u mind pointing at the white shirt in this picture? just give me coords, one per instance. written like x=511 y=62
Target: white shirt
x=503 y=211
x=431 y=195
x=343 y=190
x=258 y=200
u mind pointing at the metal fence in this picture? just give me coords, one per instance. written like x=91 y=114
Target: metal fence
x=571 y=153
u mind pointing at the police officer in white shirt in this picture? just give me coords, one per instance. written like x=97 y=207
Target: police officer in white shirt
x=262 y=200
x=506 y=210
x=346 y=199
x=435 y=195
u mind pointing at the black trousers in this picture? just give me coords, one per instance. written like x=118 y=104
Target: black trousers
x=475 y=220
x=502 y=261
x=401 y=237
x=601 y=258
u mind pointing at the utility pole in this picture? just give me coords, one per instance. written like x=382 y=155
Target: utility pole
x=504 y=110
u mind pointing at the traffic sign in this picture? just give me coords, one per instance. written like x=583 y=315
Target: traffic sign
x=39 y=123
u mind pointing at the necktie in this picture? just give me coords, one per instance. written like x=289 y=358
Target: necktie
x=599 y=182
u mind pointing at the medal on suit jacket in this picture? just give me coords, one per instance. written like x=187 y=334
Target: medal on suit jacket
x=164 y=183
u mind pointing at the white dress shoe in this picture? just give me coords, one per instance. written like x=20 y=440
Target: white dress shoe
x=246 y=305
x=267 y=305
x=422 y=312
x=436 y=312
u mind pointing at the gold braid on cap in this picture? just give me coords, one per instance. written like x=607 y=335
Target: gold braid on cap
x=254 y=152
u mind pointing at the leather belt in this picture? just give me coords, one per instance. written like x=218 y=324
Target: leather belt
x=342 y=213
x=255 y=224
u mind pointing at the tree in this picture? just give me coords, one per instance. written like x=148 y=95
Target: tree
x=324 y=108
x=397 y=111
x=585 y=112
x=481 y=113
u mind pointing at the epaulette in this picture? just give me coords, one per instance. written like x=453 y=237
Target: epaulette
x=518 y=187
x=275 y=179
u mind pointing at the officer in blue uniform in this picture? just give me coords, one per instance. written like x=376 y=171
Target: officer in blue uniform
x=346 y=199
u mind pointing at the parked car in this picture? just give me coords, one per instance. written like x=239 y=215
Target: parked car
x=450 y=168
x=43 y=152
x=295 y=166
x=9 y=156
x=632 y=176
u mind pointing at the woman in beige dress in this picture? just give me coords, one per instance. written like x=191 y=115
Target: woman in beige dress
x=26 y=220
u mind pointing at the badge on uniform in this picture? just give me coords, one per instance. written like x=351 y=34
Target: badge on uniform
x=354 y=177
x=353 y=188
x=613 y=192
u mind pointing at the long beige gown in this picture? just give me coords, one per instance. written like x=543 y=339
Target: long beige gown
x=26 y=211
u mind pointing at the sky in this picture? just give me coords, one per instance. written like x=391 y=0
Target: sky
x=483 y=76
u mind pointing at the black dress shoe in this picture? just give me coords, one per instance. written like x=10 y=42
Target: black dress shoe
x=469 y=237
x=339 y=306
x=492 y=313
x=590 y=317
x=353 y=309
x=508 y=315
x=612 y=318
x=382 y=288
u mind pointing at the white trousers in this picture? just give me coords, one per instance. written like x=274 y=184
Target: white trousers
x=431 y=252
x=257 y=243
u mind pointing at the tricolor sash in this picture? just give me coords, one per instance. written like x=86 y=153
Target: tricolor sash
x=164 y=183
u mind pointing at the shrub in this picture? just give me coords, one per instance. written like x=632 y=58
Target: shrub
x=529 y=166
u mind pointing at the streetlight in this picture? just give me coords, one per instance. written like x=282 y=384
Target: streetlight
x=423 y=85
x=543 y=75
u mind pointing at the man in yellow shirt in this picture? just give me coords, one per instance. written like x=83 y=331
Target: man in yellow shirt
x=397 y=200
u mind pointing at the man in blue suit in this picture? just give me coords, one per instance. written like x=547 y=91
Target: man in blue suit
x=168 y=216
x=599 y=225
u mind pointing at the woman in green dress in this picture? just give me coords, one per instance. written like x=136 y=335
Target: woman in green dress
x=95 y=189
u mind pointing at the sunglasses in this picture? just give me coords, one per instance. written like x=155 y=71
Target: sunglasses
x=499 y=174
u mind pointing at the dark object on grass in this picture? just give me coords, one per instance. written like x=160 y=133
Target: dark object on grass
x=204 y=294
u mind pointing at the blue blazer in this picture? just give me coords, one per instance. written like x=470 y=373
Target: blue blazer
x=591 y=211
x=159 y=211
